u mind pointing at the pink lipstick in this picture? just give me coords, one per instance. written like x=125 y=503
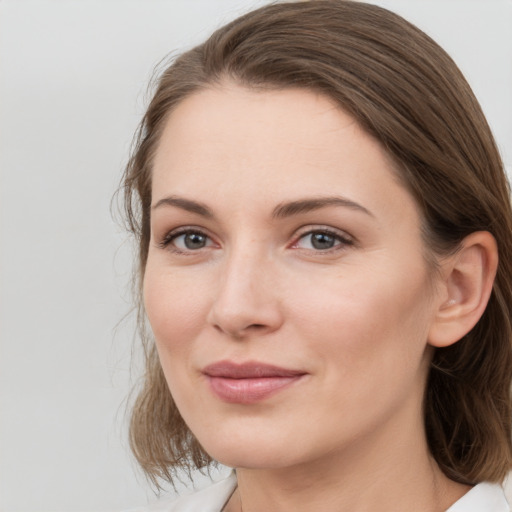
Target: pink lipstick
x=250 y=382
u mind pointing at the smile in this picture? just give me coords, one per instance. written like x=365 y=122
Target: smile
x=249 y=382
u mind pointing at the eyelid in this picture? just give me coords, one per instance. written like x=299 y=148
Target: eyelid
x=169 y=236
x=345 y=238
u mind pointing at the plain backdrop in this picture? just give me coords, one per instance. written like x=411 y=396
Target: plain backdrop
x=73 y=76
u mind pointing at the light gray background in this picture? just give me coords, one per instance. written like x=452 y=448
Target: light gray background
x=72 y=81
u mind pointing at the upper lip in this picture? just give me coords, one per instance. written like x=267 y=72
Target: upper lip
x=248 y=370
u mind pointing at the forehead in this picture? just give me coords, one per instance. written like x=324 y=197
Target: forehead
x=234 y=114
x=275 y=142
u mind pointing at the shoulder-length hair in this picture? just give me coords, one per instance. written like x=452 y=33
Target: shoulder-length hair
x=405 y=91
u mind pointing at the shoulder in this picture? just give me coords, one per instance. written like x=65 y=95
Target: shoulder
x=210 y=499
x=484 y=497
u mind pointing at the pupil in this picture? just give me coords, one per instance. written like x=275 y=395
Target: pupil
x=322 y=241
x=195 y=241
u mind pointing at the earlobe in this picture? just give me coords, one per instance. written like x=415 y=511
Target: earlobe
x=468 y=277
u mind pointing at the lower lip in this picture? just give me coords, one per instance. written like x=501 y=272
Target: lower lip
x=249 y=391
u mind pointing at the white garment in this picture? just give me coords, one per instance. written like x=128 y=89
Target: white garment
x=484 y=497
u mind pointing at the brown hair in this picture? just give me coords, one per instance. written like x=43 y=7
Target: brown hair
x=405 y=91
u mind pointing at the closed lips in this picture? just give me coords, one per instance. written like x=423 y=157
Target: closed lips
x=230 y=370
x=248 y=383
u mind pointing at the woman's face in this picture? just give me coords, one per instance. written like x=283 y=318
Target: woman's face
x=286 y=283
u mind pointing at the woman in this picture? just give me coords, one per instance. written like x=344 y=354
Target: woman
x=324 y=231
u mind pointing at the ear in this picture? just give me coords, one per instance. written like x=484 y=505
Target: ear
x=466 y=286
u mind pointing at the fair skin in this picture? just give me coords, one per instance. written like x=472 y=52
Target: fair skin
x=334 y=289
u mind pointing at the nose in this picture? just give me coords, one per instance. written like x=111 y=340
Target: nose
x=246 y=301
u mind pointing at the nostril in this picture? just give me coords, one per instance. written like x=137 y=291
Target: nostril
x=240 y=333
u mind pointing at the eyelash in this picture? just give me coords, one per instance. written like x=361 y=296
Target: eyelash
x=342 y=239
x=170 y=237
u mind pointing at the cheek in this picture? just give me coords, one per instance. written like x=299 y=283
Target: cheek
x=174 y=308
x=176 y=312
x=369 y=320
x=367 y=340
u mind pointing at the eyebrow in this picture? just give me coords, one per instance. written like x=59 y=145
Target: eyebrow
x=185 y=204
x=281 y=211
x=307 y=205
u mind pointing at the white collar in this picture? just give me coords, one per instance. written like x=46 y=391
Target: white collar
x=484 y=497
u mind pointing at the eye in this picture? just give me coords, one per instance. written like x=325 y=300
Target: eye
x=186 y=240
x=322 y=240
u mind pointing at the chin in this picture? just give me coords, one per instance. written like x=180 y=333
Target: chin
x=246 y=452
x=252 y=459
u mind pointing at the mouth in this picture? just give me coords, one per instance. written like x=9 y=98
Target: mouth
x=250 y=382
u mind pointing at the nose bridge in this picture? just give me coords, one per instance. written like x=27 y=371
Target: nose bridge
x=245 y=299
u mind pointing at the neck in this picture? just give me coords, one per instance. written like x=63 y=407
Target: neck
x=392 y=471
